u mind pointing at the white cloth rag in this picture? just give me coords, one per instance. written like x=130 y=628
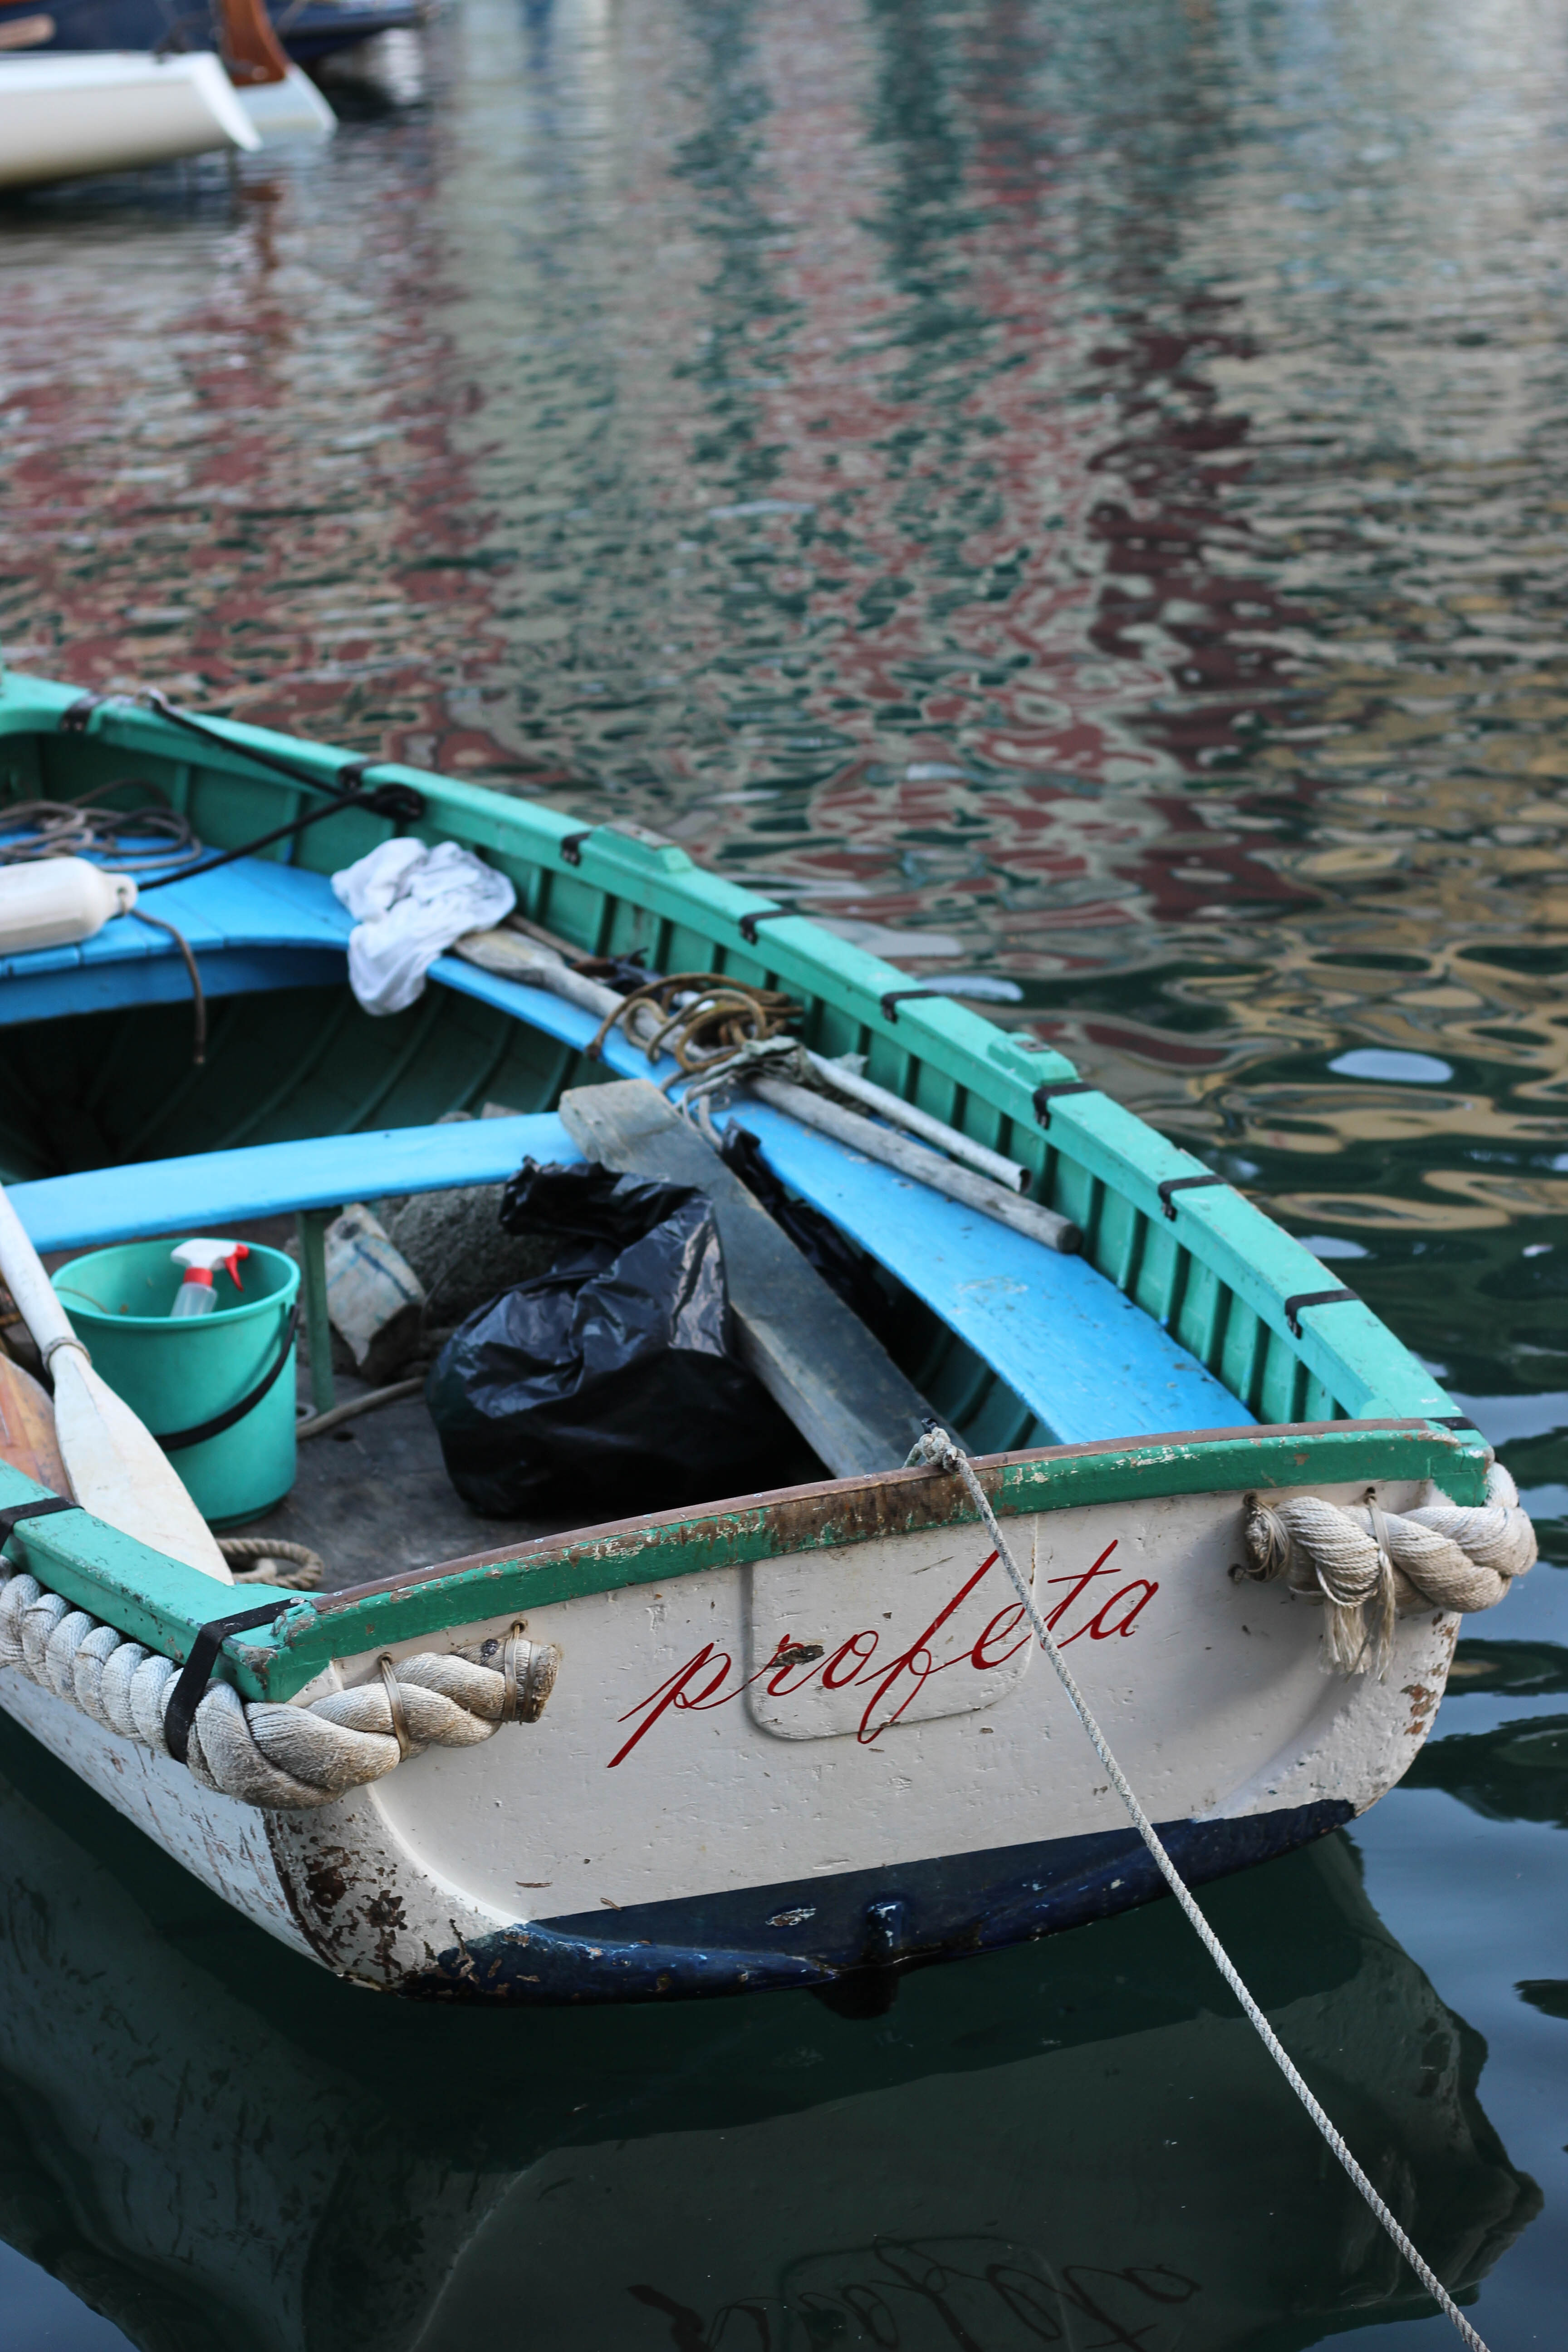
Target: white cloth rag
x=409 y=903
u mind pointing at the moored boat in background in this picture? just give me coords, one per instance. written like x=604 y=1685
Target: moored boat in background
x=63 y=116
x=308 y=30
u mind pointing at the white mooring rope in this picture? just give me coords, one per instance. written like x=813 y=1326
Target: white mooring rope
x=938 y=1449
x=1368 y=1566
x=283 y=1758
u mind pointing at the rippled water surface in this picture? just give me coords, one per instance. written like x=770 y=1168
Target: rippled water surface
x=1084 y=487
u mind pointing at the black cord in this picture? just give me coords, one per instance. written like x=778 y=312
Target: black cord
x=412 y=803
x=280 y=833
x=398 y=803
x=198 y=994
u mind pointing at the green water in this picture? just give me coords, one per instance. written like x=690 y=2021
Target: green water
x=1082 y=486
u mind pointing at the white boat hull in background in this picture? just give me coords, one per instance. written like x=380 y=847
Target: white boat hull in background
x=63 y=116
x=282 y=113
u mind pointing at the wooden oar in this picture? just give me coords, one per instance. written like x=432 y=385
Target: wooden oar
x=27 y=1440
x=117 y=1468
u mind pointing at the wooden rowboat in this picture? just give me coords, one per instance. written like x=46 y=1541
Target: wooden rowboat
x=736 y=1743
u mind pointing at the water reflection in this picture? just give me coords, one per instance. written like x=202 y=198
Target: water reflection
x=1515 y=1772
x=215 y=2146
x=1066 y=482
x=1082 y=490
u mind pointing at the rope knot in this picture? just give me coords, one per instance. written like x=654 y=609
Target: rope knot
x=1267 y=1541
x=934 y=1451
x=1366 y=1565
x=264 y=1753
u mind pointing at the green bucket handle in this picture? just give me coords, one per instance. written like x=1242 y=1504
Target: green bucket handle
x=222 y=1421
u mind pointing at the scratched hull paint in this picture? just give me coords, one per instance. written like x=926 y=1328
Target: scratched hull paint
x=818 y=1766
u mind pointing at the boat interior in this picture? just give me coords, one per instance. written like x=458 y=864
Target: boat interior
x=111 y=1132
x=303 y=1103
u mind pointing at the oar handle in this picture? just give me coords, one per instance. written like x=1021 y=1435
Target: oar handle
x=30 y=1286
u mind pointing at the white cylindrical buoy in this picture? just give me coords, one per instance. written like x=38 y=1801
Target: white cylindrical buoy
x=53 y=902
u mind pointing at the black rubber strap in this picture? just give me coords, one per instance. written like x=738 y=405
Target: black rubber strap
x=397 y=802
x=401 y=802
x=1046 y=1095
x=1304 y=1298
x=1455 y=1421
x=73 y=721
x=762 y=915
x=897 y=996
x=178 y=1439
x=196 y=1671
x=1181 y=1184
x=571 y=845
x=46 y=1505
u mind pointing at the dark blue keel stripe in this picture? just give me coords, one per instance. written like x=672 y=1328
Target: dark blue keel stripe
x=819 y=1932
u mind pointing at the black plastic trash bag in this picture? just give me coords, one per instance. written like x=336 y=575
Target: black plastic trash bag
x=609 y=1384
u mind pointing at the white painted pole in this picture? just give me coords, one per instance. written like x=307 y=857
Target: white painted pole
x=874 y=1142
x=958 y=1146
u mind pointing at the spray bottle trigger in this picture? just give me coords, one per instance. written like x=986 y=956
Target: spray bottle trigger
x=205 y=1255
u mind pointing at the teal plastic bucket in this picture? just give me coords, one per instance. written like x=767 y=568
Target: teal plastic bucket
x=176 y=1375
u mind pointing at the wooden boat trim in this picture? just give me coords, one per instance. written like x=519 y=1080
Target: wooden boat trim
x=160 y=1603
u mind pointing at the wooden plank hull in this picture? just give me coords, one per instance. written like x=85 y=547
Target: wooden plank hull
x=818 y=1764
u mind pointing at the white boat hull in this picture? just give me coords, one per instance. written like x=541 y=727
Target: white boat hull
x=285 y=113
x=817 y=1764
x=63 y=116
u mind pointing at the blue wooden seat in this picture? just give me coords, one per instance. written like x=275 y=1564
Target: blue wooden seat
x=1083 y=1358
x=251 y=926
x=214 y=1189
x=254 y=926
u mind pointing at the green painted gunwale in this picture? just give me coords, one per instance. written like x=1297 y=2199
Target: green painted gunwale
x=159 y=1602
x=1217 y=1276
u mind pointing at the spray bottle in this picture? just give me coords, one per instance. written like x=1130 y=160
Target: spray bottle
x=201 y=1259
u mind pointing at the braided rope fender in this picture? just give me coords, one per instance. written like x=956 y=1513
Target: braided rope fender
x=283 y=1758
x=1368 y=1566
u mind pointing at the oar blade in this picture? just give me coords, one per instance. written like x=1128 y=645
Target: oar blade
x=120 y=1472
